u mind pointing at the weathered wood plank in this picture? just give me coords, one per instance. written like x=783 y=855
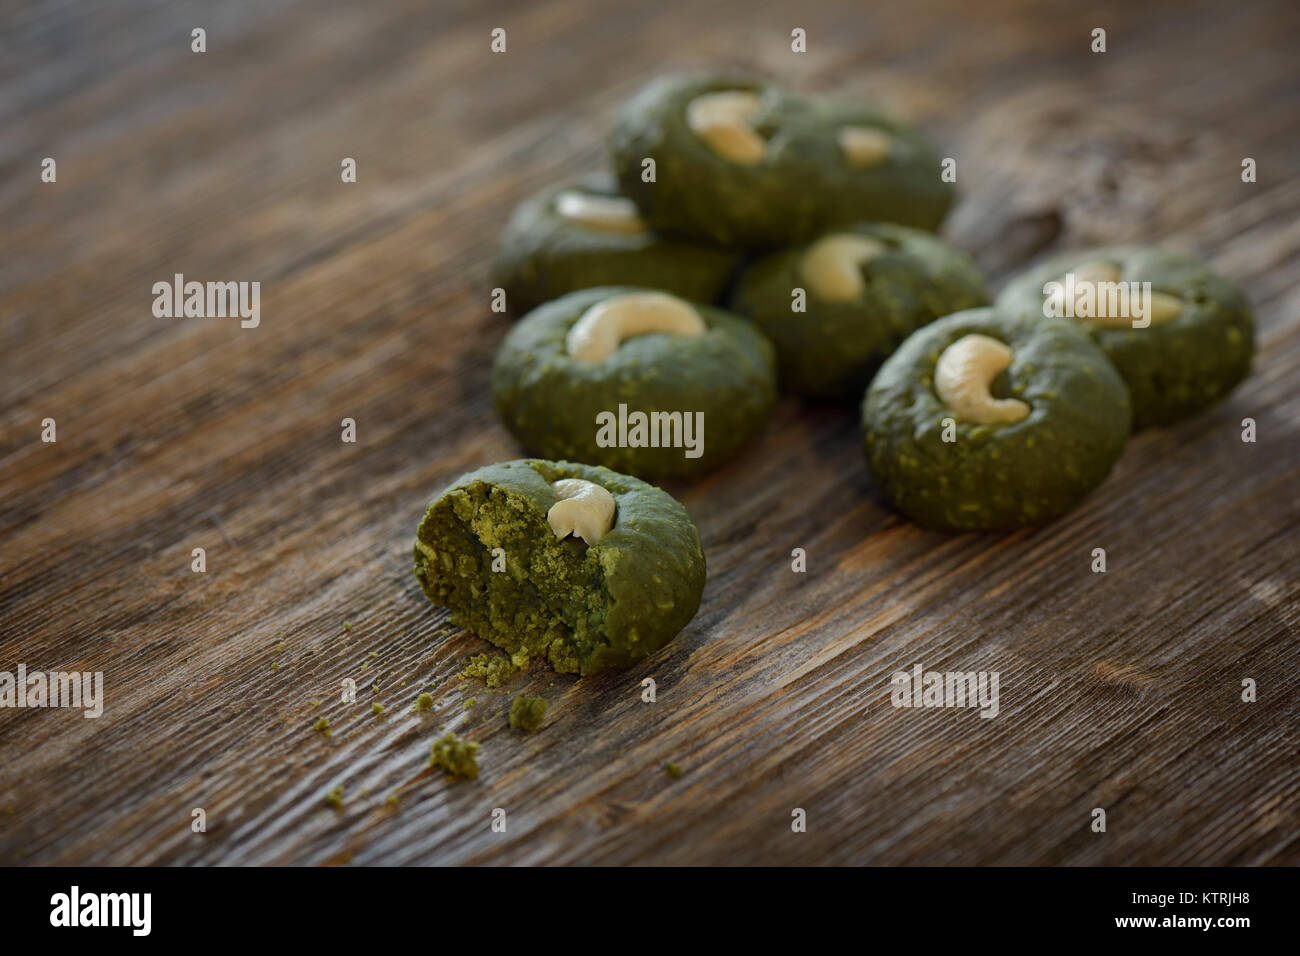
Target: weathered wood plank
x=1120 y=691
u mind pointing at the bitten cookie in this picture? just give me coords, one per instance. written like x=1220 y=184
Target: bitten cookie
x=580 y=566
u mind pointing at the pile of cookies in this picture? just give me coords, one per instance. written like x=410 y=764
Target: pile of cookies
x=746 y=240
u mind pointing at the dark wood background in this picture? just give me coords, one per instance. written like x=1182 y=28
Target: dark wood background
x=1119 y=691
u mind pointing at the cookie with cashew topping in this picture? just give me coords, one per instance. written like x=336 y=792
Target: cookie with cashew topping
x=983 y=421
x=585 y=510
x=601 y=329
x=738 y=161
x=964 y=376
x=581 y=233
x=865 y=289
x=624 y=577
x=635 y=379
x=1182 y=343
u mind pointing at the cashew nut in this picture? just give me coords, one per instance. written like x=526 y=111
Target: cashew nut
x=1161 y=307
x=1094 y=272
x=864 y=146
x=832 y=266
x=603 y=327
x=722 y=120
x=585 y=510
x=607 y=213
x=964 y=375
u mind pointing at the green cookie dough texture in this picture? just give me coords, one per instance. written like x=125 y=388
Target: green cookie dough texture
x=803 y=185
x=998 y=476
x=581 y=608
x=550 y=401
x=493 y=669
x=527 y=713
x=831 y=349
x=543 y=254
x=1173 y=369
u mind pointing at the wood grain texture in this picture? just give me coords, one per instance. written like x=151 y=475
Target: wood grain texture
x=1119 y=691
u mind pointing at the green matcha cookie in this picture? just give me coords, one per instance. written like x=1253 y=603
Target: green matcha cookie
x=740 y=162
x=582 y=233
x=1196 y=347
x=865 y=289
x=982 y=421
x=636 y=380
x=581 y=566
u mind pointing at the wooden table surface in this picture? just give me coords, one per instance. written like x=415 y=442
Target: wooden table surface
x=1120 y=691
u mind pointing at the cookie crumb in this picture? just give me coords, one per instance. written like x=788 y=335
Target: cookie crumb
x=455 y=756
x=493 y=669
x=526 y=713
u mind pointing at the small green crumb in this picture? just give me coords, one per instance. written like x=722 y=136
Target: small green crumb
x=347 y=626
x=275 y=665
x=374 y=688
x=492 y=669
x=315 y=703
x=376 y=708
x=673 y=770
x=391 y=800
x=470 y=703
x=424 y=702
x=455 y=756
x=374 y=654
x=334 y=798
x=526 y=713
x=322 y=725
